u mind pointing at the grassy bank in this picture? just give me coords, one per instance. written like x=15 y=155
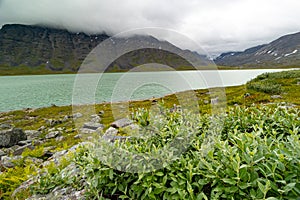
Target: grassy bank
x=260 y=129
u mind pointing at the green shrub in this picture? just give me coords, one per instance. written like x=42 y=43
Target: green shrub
x=271 y=83
x=257 y=156
x=12 y=179
x=266 y=86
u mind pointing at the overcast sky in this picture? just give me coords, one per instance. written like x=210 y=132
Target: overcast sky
x=216 y=25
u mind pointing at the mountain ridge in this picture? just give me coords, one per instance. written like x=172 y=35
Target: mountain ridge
x=57 y=50
x=282 y=52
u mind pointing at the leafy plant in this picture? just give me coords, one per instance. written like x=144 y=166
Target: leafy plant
x=257 y=156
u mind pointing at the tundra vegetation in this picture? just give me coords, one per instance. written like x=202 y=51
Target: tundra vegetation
x=256 y=154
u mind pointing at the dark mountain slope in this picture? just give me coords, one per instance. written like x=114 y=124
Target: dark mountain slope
x=23 y=46
x=55 y=49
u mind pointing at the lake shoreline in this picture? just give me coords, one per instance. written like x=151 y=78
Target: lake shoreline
x=13 y=73
x=36 y=91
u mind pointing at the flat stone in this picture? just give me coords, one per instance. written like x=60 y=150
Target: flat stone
x=5 y=126
x=110 y=133
x=10 y=137
x=32 y=134
x=121 y=123
x=20 y=150
x=77 y=115
x=95 y=118
x=93 y=126
x=53 y=122
x=2 y=153
x=24 y=142
x=8 y=162
x=276 y=96
x=86 y=131
x=53 y=134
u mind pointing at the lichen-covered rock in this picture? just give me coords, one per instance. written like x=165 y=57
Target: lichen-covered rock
x=11 y=137
x=93 y=126
x=21 y=149
x=86 y=131
x=25 y=142
x=53 y=134
x=77 y=115
x=121 y=123
x=31 y=134
x=5 y=126
x=53 y=122
x=9 y=162
x=95 y=118
x=109 y=133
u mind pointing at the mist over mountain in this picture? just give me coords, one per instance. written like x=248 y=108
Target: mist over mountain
x=60 y=50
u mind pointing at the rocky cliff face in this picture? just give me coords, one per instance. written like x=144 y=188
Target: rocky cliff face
x=282 y=52
x=54 y=48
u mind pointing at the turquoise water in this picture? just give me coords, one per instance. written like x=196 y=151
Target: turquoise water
x=19 y=92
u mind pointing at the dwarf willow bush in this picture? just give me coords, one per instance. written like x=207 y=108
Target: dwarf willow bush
x=271 y=83
x=266 y=86
x=256 y=156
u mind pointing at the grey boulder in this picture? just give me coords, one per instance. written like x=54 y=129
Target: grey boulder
x=11 y=137
x=53 y=134
x=93 y=126
x=20 y=150
x=32 y=134
x=121 y=123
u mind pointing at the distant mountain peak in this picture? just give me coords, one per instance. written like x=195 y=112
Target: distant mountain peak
x=285 y=51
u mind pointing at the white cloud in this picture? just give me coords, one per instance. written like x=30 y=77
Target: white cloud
x=217 y=25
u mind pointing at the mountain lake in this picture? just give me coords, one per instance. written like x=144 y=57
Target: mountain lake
x=34 y=91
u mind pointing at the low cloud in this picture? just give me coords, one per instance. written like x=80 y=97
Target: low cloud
x=216 y=25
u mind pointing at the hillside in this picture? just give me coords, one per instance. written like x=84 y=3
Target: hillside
x=54 y=49
x=283 y=52
x=35 y=49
